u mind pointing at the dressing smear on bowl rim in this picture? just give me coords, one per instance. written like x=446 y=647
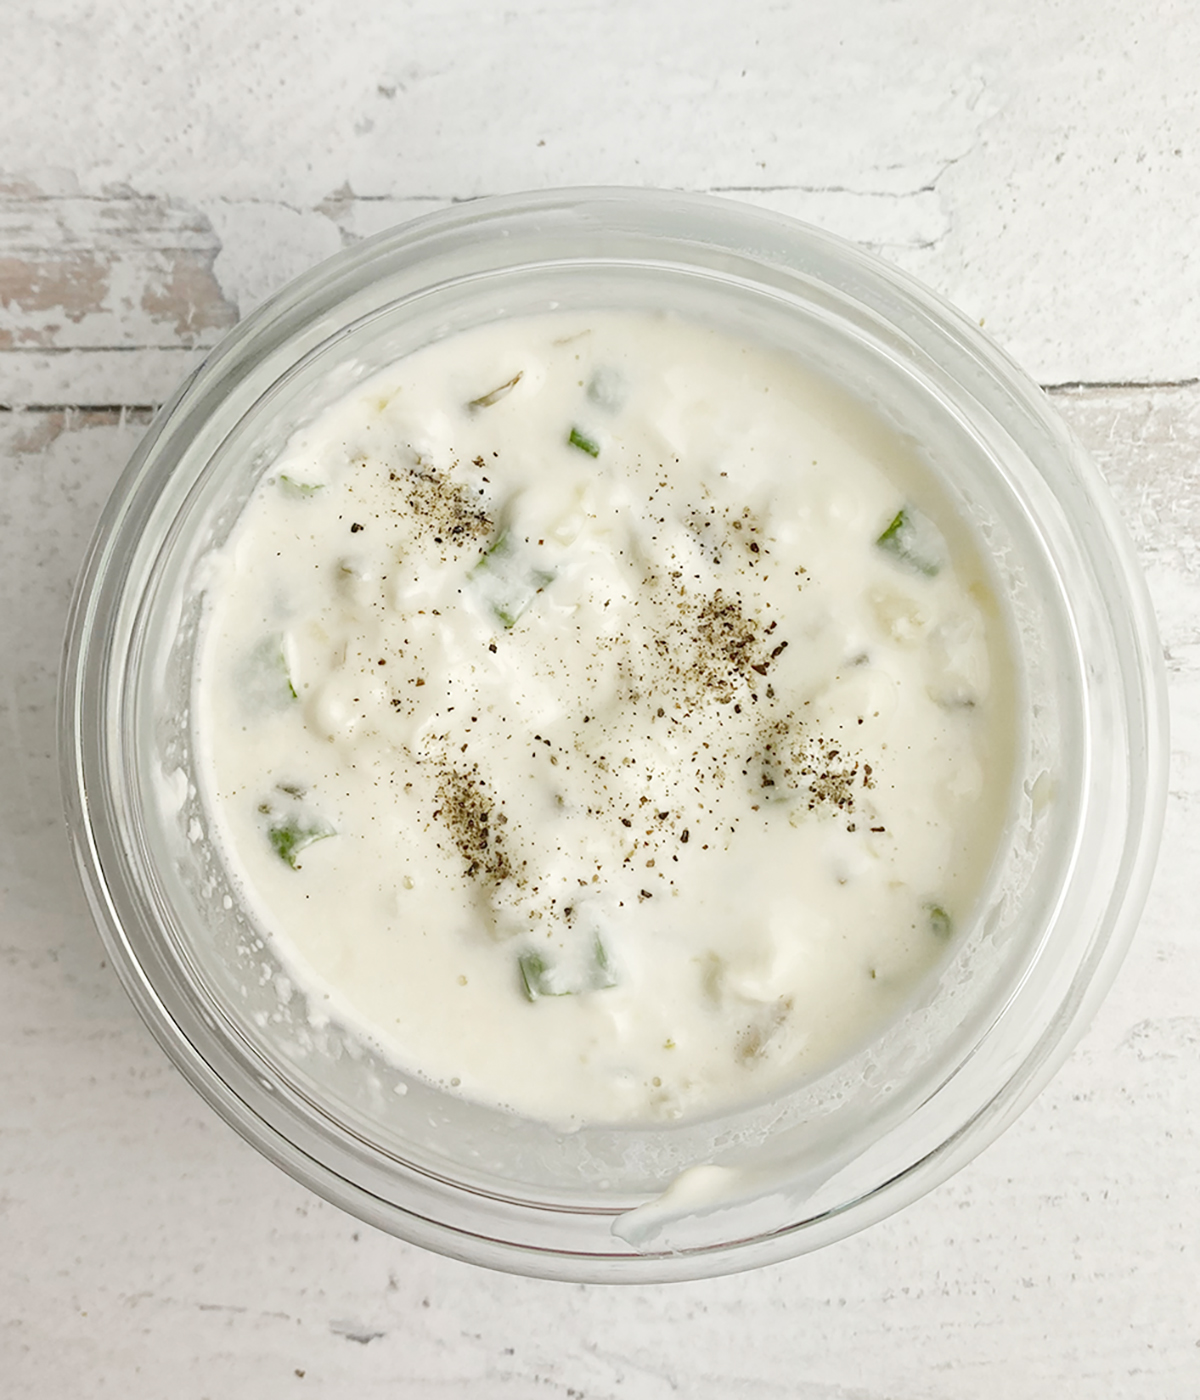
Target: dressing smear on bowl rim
x=608 y=717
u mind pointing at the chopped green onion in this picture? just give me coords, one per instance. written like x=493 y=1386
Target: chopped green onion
x=606 y=389
x=291 y=835
x=507 y=579
x=940 y=923
x=292 y=487
x=496 y=394
x=535 y=975
x=264 y=676
x=914 y=542
x=543 y=977
x=584 y=443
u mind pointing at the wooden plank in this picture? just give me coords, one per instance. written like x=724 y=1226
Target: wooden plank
x=91 y=287
x=104 y=274
x=122 y=377
x=1146 y=442
x=1034 y=163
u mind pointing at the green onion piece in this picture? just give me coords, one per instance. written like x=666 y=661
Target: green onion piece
x=544 y=977
x=507 y=579
x=291 y=835
x=940 y=923
x=602 y=970
x=496 y=394
x=606 y=389
x=584 y=443
x=264 y=678
x=535 y=975
x=914 y=542
x=292 y=487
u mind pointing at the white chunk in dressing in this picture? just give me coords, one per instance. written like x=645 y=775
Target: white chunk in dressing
x=606 y=717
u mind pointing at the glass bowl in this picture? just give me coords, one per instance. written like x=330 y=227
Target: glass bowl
x=698 y=1197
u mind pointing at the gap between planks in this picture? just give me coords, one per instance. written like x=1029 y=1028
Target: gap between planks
x=1069 y=387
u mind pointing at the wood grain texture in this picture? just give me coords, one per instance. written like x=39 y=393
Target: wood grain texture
x=89 y=273
x=1036 y=166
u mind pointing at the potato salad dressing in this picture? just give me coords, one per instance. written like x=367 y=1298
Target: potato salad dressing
x=604 y=715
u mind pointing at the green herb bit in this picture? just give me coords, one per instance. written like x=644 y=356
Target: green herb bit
x=496 y=394
x=913 y=541
x=265 y=679
x=606 y=389
x=543 y=977
x=292 y=487
x=940 y=923
x=291 y=835
x=584 y=443
x=508 y=581
x=535 y=976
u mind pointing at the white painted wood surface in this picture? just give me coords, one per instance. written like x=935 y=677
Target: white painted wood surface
x=162 y=168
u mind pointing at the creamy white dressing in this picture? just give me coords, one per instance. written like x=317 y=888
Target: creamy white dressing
x=607 y=717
